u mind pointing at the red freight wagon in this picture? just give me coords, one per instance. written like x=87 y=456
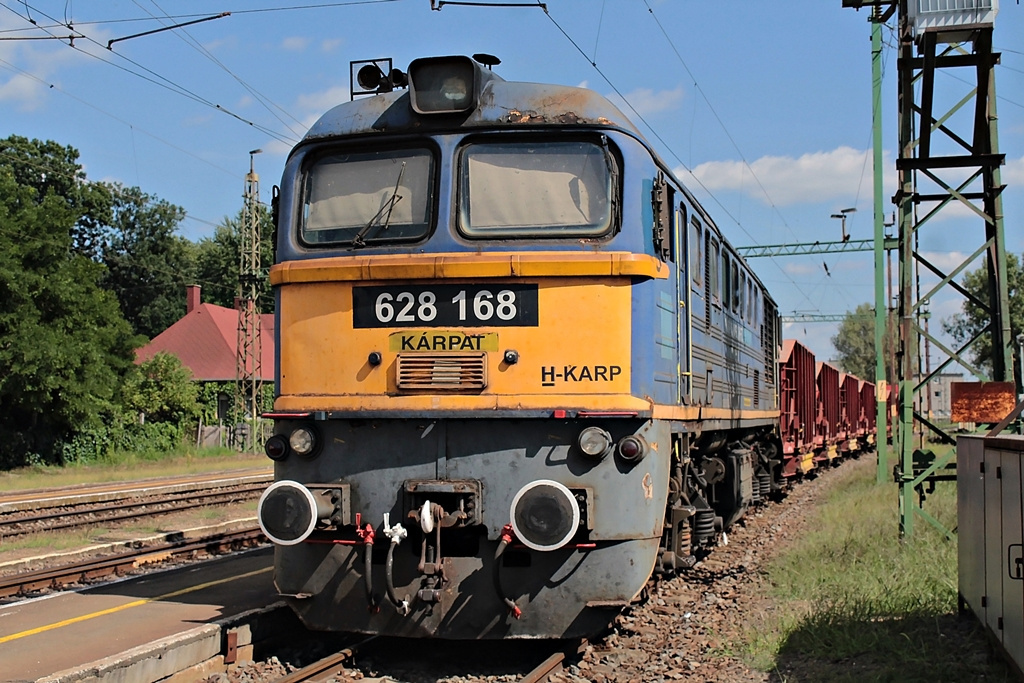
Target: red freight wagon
x=799 y=408
x=849 y=409
x=828 y=410
x=869 y=410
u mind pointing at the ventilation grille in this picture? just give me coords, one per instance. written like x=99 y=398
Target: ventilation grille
x=450 y=371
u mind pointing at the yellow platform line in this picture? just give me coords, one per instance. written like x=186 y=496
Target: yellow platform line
x=128 y=605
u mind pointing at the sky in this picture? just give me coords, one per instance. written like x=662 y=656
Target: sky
x=763 y=108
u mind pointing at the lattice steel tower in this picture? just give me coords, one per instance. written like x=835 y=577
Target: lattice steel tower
x=248 y=370
x=948 y=157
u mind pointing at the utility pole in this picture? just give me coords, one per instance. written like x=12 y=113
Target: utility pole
x=881 y=308
x=248 y=370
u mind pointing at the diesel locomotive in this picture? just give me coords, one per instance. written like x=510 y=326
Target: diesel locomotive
x=519 y=368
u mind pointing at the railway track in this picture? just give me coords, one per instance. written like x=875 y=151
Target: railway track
x=327 y=667
x=334 y=665
x=54 y=514
x=55 y=578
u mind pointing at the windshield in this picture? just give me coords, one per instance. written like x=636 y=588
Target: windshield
x=541 y=189
x=368 y=197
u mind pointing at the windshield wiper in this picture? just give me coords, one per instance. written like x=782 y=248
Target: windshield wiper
x=360 y=239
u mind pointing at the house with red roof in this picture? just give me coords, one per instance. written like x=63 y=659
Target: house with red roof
x=206 y=341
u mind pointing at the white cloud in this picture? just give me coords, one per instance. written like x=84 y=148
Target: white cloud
x=35 y=63
x=228 y=42
x=815 y=177
x=947 y=261
x=1012 y=173
x=321 y=101
x=330 y=45
x=295 y=43
x=802 y=267
x=23 y=90
x=647 y=101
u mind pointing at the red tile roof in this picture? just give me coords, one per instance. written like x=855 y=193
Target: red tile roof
x=206 y=340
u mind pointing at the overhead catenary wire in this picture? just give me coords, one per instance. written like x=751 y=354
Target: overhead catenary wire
x=159 y=80
x=289 y=8
x=671 y=151
x=265 y=101
x=133 y=126
x=718 y=118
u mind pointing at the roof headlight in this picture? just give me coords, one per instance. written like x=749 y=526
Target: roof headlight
x=303 y=441
x=443 y=85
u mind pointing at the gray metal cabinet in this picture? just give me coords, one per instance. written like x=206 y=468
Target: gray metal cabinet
x=990 y=511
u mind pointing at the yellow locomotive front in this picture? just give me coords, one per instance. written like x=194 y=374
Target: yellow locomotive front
x=464 y=440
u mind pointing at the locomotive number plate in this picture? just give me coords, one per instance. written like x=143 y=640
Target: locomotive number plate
x=502 y=305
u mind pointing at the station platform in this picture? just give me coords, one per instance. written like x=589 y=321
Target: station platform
x=79 y=635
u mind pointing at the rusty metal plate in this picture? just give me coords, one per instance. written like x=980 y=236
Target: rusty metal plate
x=231 y=648
x=982 y=401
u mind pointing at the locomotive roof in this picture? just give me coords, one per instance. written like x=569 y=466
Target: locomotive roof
x=501 y=102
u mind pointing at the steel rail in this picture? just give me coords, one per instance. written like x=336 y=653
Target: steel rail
x=86 y=570
x=41 y=498
x=126 y=510
x=325 y=667
x=554 y=663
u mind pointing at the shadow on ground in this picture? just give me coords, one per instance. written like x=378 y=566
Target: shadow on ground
x=925 y=649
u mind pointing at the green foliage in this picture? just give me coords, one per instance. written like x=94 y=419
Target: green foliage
x=855 y=343
x=162 y=390
x=121 y=434
x=857 y=604
x=209 y=396
x=973 y=319
x=82 y=265
x=217 y=261
x=51 y=169
x=64 y=344
x=148 y=265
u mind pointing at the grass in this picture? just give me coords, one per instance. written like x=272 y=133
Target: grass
x=856 y=604
x=128 y=466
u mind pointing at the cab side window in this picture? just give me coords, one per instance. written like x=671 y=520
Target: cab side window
x=696 y=260
x=714 y=282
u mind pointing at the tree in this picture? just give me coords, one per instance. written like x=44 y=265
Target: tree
x=148 y=265
x=161 y=388
x=64 y=345
x=129 y=231
x=217 y=261
x=52 y=169
x=972 y=319
x=855 y=343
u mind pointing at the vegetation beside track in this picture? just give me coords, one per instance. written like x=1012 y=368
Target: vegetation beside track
x=850 y=602
x=125 y=466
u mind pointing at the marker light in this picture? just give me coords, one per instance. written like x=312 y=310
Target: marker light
x=595 y=442
x=276 y=447
x=303 y=441
x=545 y=515
x=632 y=448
